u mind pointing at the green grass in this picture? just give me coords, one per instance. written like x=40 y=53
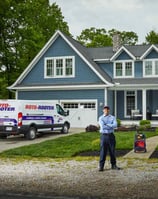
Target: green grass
x=69 y=146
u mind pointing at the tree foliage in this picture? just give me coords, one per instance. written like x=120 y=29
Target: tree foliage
x=100 y=37
x=95 y=37
x=152 y=37
x=25 y=26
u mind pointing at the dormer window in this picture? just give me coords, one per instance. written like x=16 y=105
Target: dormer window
x=150 y=68
x=59 y=67
x=123 y=69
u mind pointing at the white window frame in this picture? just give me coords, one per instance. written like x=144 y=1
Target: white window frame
x=63 y=75
x=125 y=100
x=123 y=62
x=153 y=67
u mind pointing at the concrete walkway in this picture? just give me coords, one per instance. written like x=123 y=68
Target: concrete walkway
x=151 y=144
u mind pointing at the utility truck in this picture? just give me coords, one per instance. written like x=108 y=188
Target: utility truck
x=29 y=117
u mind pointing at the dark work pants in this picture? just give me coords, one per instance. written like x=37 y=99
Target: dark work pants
x=107 y=144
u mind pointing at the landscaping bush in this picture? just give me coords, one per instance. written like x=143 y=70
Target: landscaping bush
x=118 y=122
x=144 y=125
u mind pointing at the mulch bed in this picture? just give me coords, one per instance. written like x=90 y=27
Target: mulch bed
x=119 y=153
x=154 y=154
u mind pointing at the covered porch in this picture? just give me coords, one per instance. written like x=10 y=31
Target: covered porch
x=132 y=104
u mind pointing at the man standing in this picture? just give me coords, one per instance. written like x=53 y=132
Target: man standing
x=107 y=123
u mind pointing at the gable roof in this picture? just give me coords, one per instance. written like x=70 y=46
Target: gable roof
x=123 y=48
x=149 y=50
x=78 y=48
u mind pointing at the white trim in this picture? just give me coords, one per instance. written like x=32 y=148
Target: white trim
x=86 y=61
x=60 y=87
x=79 y=100
x=144 y=103
x=123 y=68
x=41 y=53
x=35 y=60
x=148 y=51
x=120 y=51
x=64 y=67
x=105 y=96
x=135 y=86
x=125 y=100
x=101 y=60
x=153 y=68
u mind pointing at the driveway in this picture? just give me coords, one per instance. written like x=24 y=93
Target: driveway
x=18 y=141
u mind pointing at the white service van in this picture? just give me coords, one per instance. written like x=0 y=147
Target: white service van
x=30 y=117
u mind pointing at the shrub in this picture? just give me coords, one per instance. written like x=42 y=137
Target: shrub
x=118 y=122
x=144 y=124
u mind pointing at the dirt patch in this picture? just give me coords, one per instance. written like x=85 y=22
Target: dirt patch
x=137 y=179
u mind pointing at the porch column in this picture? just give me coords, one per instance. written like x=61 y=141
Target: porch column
x=144 y=104
x=115 y=101
x=105 y=97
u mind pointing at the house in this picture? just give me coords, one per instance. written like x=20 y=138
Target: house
x=85 y=79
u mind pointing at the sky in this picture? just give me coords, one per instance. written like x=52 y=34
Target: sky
x=139 y=16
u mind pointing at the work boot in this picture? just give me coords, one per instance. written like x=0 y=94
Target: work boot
x=101 y=169
x=114 y=167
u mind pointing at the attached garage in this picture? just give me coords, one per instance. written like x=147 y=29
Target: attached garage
x=82 y=113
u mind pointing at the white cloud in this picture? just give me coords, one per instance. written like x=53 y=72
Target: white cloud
x=140 y=16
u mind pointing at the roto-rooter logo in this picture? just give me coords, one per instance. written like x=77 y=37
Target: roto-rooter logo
x=38 y=107
x=6 y=107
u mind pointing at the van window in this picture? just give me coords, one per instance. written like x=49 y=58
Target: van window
x=60 y=110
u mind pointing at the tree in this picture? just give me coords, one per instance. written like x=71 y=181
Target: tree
x=95 y=38
x=25 y=26
x=152 y=37
x=100 y=37
x=127 y=38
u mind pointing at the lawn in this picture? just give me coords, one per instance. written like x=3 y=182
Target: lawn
x=72 y=145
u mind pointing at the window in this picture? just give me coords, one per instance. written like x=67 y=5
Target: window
x=128 y=69
x=119 y=69
x=58 y=67
x=124 y=69
x=150 y=68
x=70 y=105
x=156 y=67
x=50 y=67
x=87 y=105
x=69 y=66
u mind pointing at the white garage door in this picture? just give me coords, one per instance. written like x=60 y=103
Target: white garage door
x=81 y=114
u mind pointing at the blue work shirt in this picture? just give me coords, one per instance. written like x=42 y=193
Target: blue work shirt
x=107 y=123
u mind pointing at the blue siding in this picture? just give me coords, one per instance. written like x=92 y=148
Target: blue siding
x=138 y=69
x=154 y=101
x=120 y=104
x=139 y=100
x=111 y=101
x=65 y=95
x=107 y=67
x=83 y=73
x=123 y=56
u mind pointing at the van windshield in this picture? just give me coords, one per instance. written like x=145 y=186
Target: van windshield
x=60 y=110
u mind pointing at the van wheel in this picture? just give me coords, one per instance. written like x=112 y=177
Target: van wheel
x=65 y=129
x=31 y=135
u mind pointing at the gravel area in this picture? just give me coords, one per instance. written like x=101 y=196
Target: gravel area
x=80 y=178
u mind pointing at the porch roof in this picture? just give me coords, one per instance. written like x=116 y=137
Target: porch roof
x=137 y=83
